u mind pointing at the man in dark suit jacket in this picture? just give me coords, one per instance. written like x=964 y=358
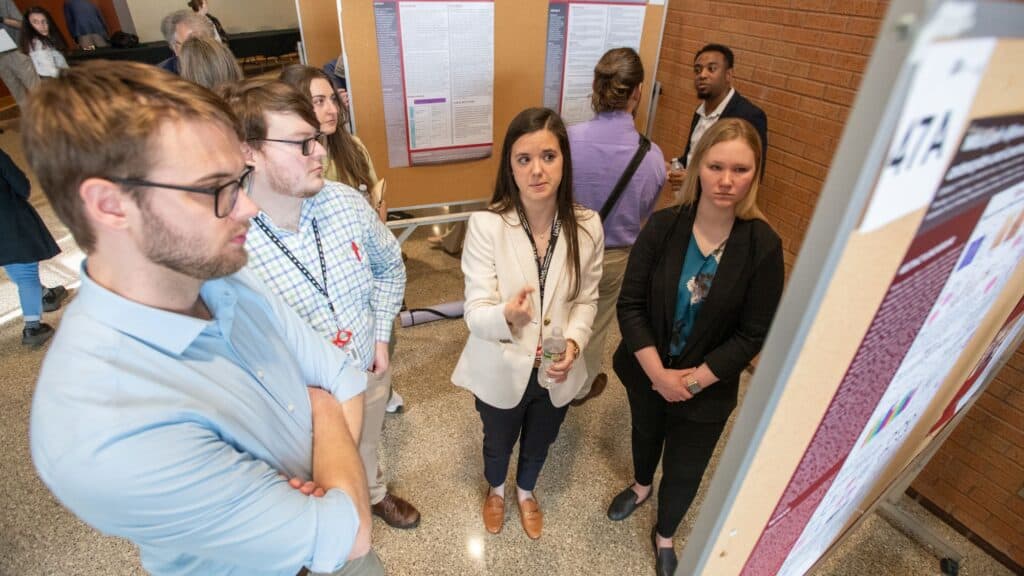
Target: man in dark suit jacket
x=712 y=77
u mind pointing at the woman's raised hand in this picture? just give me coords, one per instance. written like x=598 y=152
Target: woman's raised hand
x=519 y=310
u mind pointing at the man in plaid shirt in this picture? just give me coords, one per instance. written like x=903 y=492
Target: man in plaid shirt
x=320 y=246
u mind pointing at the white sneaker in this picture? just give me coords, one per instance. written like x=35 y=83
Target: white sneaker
x=395 y=403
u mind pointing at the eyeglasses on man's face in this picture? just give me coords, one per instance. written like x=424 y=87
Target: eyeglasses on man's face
x=308 y=145
x=224 y=196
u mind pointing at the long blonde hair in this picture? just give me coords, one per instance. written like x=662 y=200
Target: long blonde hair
x=725 y=130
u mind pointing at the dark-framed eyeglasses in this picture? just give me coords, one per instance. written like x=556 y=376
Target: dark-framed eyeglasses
x=224 y=196
x=307 y=145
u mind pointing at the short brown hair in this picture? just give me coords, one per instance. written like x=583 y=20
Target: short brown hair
x=616 y=76
x=99 y=120
x=726 y=130
x=253 y=99
x=208 y=63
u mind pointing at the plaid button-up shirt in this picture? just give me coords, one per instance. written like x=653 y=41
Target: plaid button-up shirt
x=365 y=272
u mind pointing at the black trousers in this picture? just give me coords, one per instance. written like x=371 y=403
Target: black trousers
x=687 y=446
x=535 y=419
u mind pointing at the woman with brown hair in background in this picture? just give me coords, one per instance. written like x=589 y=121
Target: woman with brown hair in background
x=42 y=41
x=348 y=161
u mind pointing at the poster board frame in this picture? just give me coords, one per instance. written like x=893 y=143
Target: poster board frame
x=520 y=28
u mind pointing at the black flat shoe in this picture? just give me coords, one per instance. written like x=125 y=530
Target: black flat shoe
x=624 y=504
x=36 y=335
x=53 y=297
x=664 y=558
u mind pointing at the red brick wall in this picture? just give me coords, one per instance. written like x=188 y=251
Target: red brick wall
x=977 y=476
x=803 y=66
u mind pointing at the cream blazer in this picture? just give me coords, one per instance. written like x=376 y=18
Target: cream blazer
x=497 y=262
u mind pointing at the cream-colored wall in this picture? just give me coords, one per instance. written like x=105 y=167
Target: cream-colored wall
x=235 y=15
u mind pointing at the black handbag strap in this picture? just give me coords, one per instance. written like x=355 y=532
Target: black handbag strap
x=627 y=175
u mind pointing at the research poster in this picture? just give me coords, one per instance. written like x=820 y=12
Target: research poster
x=921 y=308
x=995 y=356
x=437 y=79
x=958 y=263
x=579 y=33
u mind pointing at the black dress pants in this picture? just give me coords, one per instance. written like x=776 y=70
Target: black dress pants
x=536 y=419
x=688 y=447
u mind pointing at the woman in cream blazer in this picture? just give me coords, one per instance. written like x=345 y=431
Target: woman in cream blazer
x=531 y=231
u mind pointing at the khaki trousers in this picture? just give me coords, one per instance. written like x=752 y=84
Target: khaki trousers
x=378 y=389
x=18 y=74
x=367 y=565
x=608 y=293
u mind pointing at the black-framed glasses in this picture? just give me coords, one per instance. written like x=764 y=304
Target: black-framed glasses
x=307 y=145
x=224 y=196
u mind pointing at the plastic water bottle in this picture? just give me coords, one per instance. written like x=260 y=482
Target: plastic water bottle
x=676 y=166
x=553 y=351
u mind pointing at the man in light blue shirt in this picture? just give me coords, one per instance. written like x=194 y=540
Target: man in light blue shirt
x=182 y=405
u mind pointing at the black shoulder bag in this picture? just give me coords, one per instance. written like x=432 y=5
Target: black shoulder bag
x=627 y=175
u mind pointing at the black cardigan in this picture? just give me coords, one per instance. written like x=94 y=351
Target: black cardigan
x=732 y=323
x=25 y=238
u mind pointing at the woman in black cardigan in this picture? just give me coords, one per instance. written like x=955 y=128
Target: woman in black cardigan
x=24 y=243
x=701 y=288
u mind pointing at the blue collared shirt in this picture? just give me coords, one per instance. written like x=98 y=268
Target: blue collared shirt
x=365 y=272
x=172 y=431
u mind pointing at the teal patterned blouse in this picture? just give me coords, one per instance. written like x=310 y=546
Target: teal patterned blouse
x=694 y=285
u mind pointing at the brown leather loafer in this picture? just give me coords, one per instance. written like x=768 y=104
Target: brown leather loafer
x=396 y=512
x=596 y=388
x=494 y=512
x=531 y=517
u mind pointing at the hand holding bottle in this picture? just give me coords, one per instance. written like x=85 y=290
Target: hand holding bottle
x=676 y=174
x=557 y=359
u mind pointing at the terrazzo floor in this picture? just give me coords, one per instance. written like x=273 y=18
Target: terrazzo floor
x=432 y=457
